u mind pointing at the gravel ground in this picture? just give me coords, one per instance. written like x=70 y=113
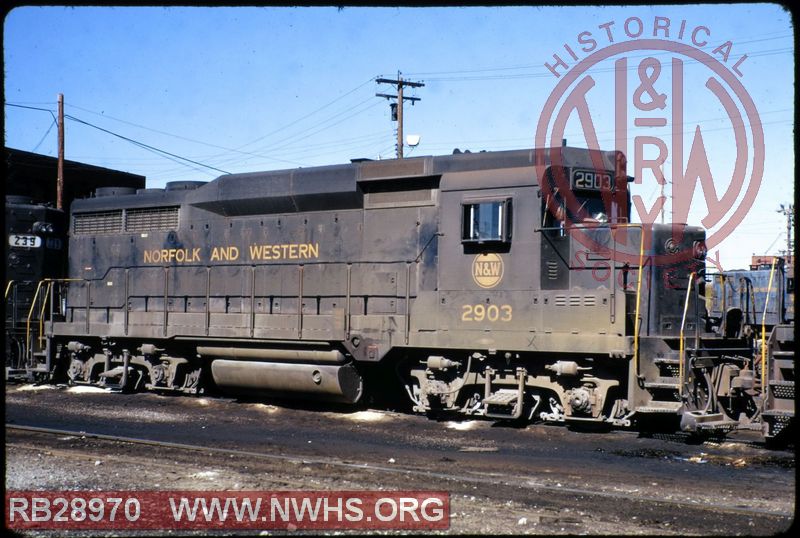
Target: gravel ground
x=501 y=480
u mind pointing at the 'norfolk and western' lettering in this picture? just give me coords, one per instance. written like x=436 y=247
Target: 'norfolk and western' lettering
x=302 y=251
x=230 y=253
x=169 y=255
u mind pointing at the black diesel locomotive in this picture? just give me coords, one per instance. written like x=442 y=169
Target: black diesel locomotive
x=740 y=301
x=509 y=284
x=36 y=250
x=757 y=304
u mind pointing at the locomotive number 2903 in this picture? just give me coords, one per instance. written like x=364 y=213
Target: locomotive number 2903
x=492 y=312
x=590 y=179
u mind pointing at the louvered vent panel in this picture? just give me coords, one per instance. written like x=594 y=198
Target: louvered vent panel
x=151 y=219
x=552 y=270
x=97 y=223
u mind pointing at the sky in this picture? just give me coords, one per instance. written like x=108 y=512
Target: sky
x=190 y=93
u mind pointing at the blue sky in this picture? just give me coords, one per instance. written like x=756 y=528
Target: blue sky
x=246 y=89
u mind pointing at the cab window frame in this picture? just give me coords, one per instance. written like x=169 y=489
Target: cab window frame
x=503 y=222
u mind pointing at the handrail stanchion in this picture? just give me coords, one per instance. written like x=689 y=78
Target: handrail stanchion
x=681 y=346
x=764 y=374
x=638 y=302
x=8 y=287
x=32 y=309
x=47 y=293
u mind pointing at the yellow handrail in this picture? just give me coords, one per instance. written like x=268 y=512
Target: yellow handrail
x=764 y=329
x=681 y=350
x=49 y=282
x=41 y=313
x=30 y=313
x=8 y=288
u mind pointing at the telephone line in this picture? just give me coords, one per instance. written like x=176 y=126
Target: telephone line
x=143 y=145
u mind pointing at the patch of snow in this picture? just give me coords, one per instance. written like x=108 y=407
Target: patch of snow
x=265 y=407
x=33 y=387
x=462 y=426
x=365 y=416
x=86 y=389
x=208 y=475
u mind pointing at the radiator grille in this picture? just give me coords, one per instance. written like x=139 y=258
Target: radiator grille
x=151 y=219
x=100 y=222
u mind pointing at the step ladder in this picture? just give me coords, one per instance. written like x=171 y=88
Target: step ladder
x=504 y=404
x=509 y=399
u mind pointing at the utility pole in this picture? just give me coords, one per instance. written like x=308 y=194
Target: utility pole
x=60 y=180
x=788 y=212
x=397 y=108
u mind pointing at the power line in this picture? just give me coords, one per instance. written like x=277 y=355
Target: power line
x=163 y=153
x=186 y=138
x=52 y=124
x=593 y=70
x=143 y=145
x=355 y=141
x=309 y=114
x=539 y=66
x=239 y=148
x=296 y=137
x=31 y=108
x=50 y=128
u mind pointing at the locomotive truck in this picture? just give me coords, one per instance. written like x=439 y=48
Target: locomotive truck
x=510 y=285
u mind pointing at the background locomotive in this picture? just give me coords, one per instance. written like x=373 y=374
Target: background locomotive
x=36 y=249
x=757 y=305
x=736 y=300
x=505 y=284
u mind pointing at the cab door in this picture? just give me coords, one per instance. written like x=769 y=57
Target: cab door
x=486 y=270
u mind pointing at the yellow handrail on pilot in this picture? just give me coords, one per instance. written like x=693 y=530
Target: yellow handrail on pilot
x=8 y=288
x=30 y=312
x=49 y=281
x=764 y=329
x=681 y=350
x=41 y=312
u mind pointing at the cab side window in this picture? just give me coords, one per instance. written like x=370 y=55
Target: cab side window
x=486 y=221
